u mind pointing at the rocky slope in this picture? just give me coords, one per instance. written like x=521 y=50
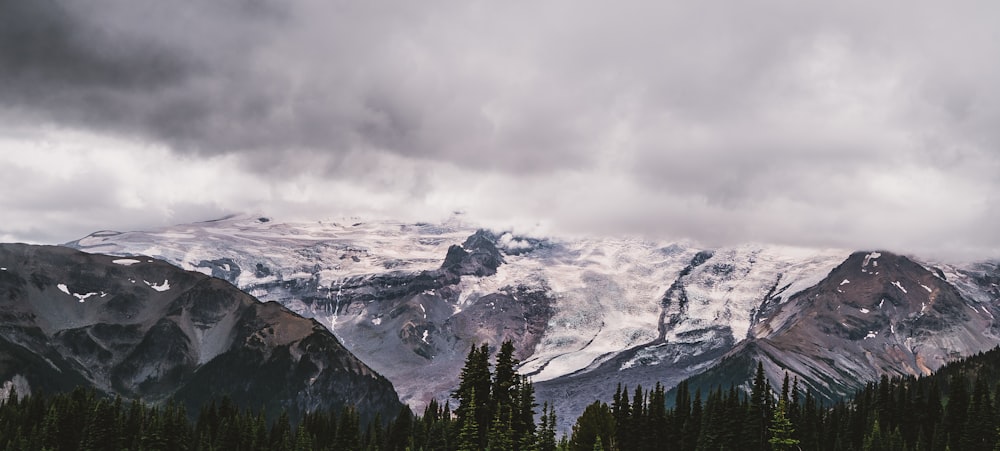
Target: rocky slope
x=410 y=299
x=144 y=328
x=876 y=313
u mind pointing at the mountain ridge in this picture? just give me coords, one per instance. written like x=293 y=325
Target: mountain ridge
x=579 y=311
x=143 y=328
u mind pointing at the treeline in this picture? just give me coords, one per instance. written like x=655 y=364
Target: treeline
x=957 y=408
x=496 y=410
x=86 y=420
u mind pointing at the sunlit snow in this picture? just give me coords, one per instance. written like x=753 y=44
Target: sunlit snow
x=125 y=261
x=900 y=286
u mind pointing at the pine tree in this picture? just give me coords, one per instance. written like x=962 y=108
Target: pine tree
x=781 y=429
x=475 y=378
x=757 y=414
x=595 y=424
x=468 y=437
x=546 y=438
x=524 y=422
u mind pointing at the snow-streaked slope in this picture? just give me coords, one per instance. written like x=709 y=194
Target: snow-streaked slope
x=380 y=288
x=331 y=250
x=93 y=323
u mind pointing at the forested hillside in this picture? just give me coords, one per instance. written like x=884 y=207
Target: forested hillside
x=954 y=409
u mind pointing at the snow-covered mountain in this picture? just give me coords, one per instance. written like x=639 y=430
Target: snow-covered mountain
x=410 y=299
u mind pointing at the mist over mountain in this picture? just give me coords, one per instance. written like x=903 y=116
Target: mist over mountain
x=584 y=314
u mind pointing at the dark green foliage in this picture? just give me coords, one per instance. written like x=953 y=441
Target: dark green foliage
x=595 y=429
x=955 y=409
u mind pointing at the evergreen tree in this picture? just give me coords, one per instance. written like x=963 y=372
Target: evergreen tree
x=781 y=428
x=474 y=395
x=758 y=412
x=524 y=421
x=595 y=424
x=546 y=438
x=468 y=437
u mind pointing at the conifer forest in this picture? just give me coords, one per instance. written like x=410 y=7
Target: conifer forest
x=494 y=408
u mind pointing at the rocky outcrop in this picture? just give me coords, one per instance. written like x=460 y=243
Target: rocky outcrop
x=876 y=314
x=146 y=329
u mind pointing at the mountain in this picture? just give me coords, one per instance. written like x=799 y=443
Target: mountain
x=584 y=313
x=143 y=328
x=875 y=314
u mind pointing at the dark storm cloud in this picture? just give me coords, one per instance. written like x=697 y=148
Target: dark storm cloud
x=266 y=78
x=838 y=123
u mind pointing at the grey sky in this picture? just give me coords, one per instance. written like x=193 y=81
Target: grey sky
x=849 y=124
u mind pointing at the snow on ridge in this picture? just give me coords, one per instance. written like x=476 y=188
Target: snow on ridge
x=870 y=258
x=607 y=291
x=82 y=297
x=125 y=261
x=158 y=287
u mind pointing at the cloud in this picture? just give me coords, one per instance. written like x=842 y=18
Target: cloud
x=849 y=124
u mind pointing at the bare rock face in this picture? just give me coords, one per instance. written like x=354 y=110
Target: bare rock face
x=143 y=328
x=875 y=314
x=586 y=313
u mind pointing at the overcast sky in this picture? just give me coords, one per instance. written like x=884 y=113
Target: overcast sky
x=850 y=124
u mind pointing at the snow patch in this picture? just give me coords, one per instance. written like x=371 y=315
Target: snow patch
x=159 y=287
x=871 y=334
x=424 y=338
x=900 y=286
x=3 y=269
x=845 y=282
x=125 y=261
x=880 y=303
x=376 y=321
x=82 y=297
x=864 y=310
x=869 y=258
x=927 y=288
